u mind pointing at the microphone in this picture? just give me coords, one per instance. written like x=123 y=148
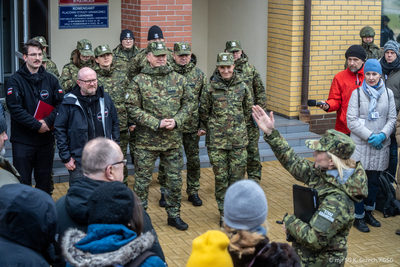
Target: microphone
x=314 y=103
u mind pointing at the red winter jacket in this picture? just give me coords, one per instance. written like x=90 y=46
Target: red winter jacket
x=343 y=85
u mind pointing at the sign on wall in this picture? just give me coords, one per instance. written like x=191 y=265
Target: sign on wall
x=78 y=15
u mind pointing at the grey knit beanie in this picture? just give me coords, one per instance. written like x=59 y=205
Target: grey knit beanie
x=3 y=124
x=245 y=205
x=392 y=45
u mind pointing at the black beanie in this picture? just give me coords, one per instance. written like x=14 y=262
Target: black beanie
x=3 y=124
x=126 y=33
x=356 y=51
x=110 y=203
x=154 y=33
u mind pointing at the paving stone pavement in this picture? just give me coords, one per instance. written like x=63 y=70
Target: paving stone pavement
x=380 y=247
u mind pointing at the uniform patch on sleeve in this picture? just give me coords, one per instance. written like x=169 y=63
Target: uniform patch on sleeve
x=9 y=91
x=325 y=219
x=60 y=91
x=327 y=215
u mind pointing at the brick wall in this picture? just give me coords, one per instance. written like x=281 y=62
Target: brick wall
x=321 y=122
x=174 y=17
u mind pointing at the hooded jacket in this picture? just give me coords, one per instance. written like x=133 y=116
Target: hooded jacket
x=24 y=90
x=197 y=82
x=72 y=128
x=28 y=224
x=120 y=60
x=225 y=110
x=342 y=86
x=325 y=237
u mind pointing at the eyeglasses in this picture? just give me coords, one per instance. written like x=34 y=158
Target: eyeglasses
x=124 y=161
x=87 y=82
x=127 y=39
x=34 y=55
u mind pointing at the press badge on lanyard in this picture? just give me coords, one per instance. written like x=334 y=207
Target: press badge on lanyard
x=375 y=115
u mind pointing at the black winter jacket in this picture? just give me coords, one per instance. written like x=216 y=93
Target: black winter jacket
x=28 y=224
x=71 y=127
x=71 y=210
x=23 y=92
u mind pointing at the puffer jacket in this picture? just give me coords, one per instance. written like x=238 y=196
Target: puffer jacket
x=361 y=128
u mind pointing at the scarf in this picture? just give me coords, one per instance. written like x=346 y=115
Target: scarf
x=374 y=95
x=387 y=68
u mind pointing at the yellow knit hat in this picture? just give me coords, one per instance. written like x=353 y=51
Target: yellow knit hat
x=210 y=249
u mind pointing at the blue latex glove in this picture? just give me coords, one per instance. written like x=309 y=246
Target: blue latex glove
x=376 y=139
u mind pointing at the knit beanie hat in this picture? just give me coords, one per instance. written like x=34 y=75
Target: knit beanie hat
x=110 y=203
x=373 y=64
x=155 y=32
x=245 y=205
x=210 y=249
x=392 y=45
x=126 y=34
x=356 y=51
x=3 y=124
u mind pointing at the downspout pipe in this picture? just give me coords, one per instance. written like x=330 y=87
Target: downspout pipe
x=304 y=111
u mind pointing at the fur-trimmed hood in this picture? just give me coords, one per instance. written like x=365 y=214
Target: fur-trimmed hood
x=122 y=256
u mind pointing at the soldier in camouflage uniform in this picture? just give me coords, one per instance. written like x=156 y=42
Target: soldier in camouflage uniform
x=81 y=57
x=253 y=81
x=367 y=35
x=185 y=64
x=125 y=51
x=339 y=181
x=159 y=103
x=50 y=65
x=115 y=83
x=225 y=111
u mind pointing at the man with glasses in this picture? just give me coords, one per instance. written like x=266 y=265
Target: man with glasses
x=31 y=138
x=86 y=112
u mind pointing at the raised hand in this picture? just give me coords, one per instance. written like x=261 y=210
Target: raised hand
x=265 y=122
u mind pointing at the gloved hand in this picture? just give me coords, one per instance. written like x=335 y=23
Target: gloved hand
x=376 y=139
x=379 y=147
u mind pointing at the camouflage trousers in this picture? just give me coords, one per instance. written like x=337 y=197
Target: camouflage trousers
x=229 y=166
x=191 y=146
x=253 y=155
x=312 y=258
x=124 y=139
x=172 y=160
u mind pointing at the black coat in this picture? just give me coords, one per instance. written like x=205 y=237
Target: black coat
x=72 y=208
x=28 y=224
x=23 y=92
x=71 y=127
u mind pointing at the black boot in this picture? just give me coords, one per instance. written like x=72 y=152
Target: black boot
x=221 y=221
x=162 y=201
x=369 y=218
x=360 y=225
x=195 y=199
x=178 y=223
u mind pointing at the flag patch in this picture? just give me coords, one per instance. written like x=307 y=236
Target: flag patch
x=60 y=91
x=9 y=91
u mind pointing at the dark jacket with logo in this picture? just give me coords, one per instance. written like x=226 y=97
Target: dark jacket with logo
x=72 y=127
x=23 y=92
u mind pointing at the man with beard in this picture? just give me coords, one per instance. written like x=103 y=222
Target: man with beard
x=86 y=112
x=32 y=140
x=8 y=174
x=343 y=85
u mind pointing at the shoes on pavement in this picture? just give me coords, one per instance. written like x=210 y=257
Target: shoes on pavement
x=178 y=223
x=221 y=221
x=398 y=231
x=195 y=199
x=360 y=225
x=369 y=218
x=162 y=201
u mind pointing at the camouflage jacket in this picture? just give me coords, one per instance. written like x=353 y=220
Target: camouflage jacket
x=372 y=50
x=69 y=74
x=253 y=80
x=120 y=60
x=158 y=93
x=137 y=62
x=52 y=68
x=225 y=110
x=325 y=236
x=196 y=80
x=6 y=165
x=115 y=83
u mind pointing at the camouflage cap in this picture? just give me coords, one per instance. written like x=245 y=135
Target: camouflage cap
x=182 y=48
x=233 y=46
x=101 y=50
x=157 y=48
x=337 y=143
x=367 y=31
x=41 y=40
x=225 y=59
x=85 y=47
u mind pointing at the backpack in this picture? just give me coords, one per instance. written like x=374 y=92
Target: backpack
x=386 y=201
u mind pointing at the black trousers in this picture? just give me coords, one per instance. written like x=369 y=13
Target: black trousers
x=39 y=159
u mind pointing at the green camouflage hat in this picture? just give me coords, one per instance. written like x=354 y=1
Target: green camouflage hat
x=85 y=47
x=101 y=50
x=367 y=31
x=182 y=48
x=225 y=59
x=41 y=40
x=45 y=58
x=157 y=48
x=337 y=143
x=233 y=46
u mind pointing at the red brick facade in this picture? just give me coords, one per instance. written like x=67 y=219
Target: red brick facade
x=174 y=17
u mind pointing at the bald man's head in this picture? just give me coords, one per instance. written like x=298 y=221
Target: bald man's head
x=87 y=81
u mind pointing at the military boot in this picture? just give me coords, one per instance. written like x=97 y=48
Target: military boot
x=360 y=225
x=195 y=199
x=369 y=218
x=398 y=231
x=162 y=201
x=178 y=223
